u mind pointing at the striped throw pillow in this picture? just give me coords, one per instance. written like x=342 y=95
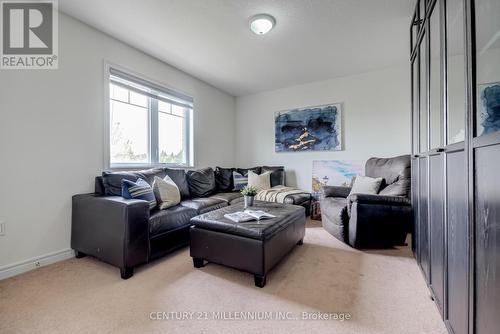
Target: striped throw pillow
x=139 y=189
x=240 y=181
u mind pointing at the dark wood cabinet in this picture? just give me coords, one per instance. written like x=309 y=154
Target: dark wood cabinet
x=414 y=200
x=487 y=208
x=457 y=241
x=455 y=95
x=436 y=227
x=485 y=162
x=423 y=218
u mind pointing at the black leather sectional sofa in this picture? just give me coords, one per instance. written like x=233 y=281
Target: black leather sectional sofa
x=126 y=234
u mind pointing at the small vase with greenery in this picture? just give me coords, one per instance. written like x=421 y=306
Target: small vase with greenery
x=249 y=193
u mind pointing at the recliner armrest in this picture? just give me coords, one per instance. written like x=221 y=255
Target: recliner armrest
x=336 y=191
x=379 y=199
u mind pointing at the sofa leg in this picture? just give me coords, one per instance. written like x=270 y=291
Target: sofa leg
x=126 y=272
x=260 y=280
x=79 y=254
x=197 y=262
x=300 y=242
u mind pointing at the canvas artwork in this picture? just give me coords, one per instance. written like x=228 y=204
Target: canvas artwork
x=332 y=173
x=309 y=129
x=489 y=108
x=335 y=173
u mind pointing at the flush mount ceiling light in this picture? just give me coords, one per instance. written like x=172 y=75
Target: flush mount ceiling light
x=262 y=24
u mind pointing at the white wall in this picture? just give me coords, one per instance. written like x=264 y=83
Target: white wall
x=376 y=120
x=51 y=135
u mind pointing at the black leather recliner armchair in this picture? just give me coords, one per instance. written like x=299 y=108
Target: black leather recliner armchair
x=372 y=221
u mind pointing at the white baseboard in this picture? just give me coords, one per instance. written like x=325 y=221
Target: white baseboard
x=27 y=265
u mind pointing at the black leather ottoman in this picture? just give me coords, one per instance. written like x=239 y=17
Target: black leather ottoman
x=254 y=247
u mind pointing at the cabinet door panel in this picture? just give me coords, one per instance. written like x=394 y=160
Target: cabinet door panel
x=436 y=225
x=458 y=253
x=487 y=212
x=423 y=231
x=414 y=200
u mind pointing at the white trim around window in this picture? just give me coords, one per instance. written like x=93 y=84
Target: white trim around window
x=174 y=104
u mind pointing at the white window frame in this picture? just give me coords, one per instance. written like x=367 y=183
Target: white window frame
x=153 y=126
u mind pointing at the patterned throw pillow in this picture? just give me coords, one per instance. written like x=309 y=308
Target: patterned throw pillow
x=239 y=181
x=139 y=189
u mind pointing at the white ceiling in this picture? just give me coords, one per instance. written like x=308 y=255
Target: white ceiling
x=210 y=39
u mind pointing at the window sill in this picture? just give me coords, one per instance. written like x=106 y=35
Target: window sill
x=146 y=166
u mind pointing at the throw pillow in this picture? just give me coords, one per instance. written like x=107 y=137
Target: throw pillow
x=180 y=178
x=166 y=192
x=112 y=181
x=277 y=174
x=139 y=189
x=398 y=188
x=224 y=179
x=261 y=182
x=366 y=185
x=239 y=181
x=201 y=182
x=244 y=171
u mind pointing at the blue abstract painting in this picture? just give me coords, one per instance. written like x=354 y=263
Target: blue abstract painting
x=489 y=108
x=309 y=129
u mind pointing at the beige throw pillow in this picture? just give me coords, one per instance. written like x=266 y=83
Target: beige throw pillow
x=261 y=182
x=366 y=185
x=166 y=192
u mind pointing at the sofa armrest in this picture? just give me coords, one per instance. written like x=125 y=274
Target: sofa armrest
x=379 y=199
x=111 y=228
x=335 y=191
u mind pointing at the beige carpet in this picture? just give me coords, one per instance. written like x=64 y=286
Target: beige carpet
x=383 y=291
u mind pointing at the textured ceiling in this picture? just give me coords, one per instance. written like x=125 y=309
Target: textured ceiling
x=210 y=39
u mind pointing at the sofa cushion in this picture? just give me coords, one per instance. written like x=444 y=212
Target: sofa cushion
x=99 y=186
x=201 y=182
x=227 y=197
x=398 y=188
x=139 y=189
x=112 y=181
x=260 y=182
x=277 y=174
x=240 y=181
x=162 y=221
x=392 y=170
x=244 y=171
x=224 y=179
x=166 y=192
x=366 y=185
x=205 y=204
x=180 y=179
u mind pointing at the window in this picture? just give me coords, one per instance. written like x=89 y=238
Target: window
x=149 y=124
x=435 y=91
x=456 y=93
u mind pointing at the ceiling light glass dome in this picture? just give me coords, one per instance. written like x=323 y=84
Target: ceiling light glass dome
x=261 y=24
